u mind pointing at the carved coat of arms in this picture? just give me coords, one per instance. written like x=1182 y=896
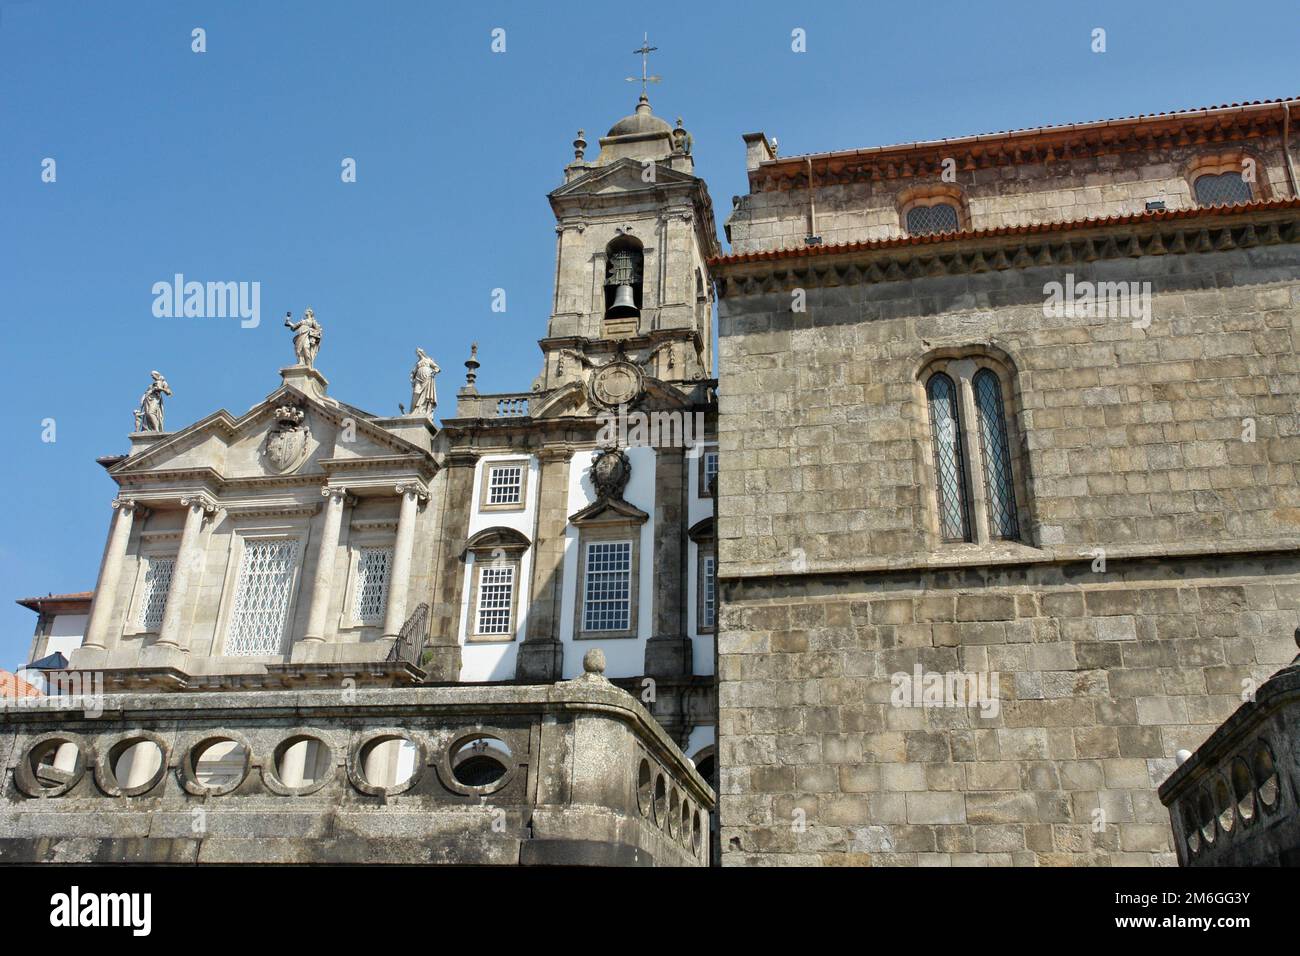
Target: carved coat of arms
x=286 y=444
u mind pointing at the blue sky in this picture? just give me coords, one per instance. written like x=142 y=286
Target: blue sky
x=225 y=166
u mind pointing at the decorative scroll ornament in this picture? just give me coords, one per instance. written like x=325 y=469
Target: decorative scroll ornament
x=286 y=444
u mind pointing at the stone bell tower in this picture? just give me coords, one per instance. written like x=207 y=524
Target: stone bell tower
x=634 y=230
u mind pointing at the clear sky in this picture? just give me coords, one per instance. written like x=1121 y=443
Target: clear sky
x=226 y=166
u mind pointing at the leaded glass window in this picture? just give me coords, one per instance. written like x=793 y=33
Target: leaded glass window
x=157 y=582
x=262 y=598
x=370 y=598
x=607 y=592
x=996 y=450
x=505 y=484
x=949 y=467
x=1222 y=189
x=924 y=220
x=496 y=592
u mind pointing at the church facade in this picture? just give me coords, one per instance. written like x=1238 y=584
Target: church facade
x=1008 y=514
x=512 y=610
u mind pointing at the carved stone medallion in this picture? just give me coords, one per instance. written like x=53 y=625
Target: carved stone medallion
x=286 y=444
x=610 y=472
x=617 y=383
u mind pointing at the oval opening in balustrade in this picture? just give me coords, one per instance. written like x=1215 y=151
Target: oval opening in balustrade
x=388 y=761
x=1223 y=804
x=219 y=764
x=1205 y=804
x=644 y=787
x=55 y=764
x=1266 y=776
x=481 y=761
x=1243 y=789
x=302 y=761
x=136 y=763
x=661 y=801
x=697 y=830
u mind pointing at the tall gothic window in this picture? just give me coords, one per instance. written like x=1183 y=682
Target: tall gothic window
x=949 y=467
x=976 y=484
x=998 y=487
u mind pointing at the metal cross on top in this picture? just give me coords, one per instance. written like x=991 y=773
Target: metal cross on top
x=645 y=51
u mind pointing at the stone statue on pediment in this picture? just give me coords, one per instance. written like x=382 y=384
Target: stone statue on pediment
x=149 y=416
x=306 y=337
x=424 y=392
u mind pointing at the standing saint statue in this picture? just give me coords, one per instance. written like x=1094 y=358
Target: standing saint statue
x=306 y=337
x=424 y=393
x=149 y=416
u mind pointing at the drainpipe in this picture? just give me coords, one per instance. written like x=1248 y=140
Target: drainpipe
x=1286 y=146
x=812 y=238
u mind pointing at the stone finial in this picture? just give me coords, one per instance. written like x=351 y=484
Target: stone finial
x=471 y=368
x=593 y=662
x=1182 y=757
x=579 y=147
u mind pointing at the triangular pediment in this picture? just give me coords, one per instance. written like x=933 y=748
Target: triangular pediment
x=609 y=511
x=622 y=176
x=289 y=433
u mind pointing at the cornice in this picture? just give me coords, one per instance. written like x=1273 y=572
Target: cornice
x=1178 y=232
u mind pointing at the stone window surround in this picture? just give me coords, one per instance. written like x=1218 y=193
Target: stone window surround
x=1227 y=162
x=703 y=551
x=933 y=194
x=961 y=365
x=485 y=481
x=292 y=530
x=369 y=534
x=503 y=546
x=152 y=544
x=619 y=531
x=477 y=565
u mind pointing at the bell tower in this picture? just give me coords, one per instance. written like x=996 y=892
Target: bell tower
x=634 y=230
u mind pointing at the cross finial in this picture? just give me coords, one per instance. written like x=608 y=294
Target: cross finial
x=644 y=52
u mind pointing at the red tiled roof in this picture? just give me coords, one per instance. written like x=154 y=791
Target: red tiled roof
x=35 y=603
x=1192 y=113
x=12 y=686
x=1156 y=215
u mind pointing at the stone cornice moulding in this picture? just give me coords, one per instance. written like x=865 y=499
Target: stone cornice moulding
x=1162 y=132
x=1051 y=244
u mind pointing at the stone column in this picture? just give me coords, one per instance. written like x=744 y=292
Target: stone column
x=541 y=655
x=456 y=482
x=189 y=564
x=668 y=651
x=101 y=635
x=322 y=583
x=399 y=579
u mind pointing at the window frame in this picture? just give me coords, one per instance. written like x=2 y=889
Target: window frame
x=1232 y=161
x=702 y=479
x=153 y=544
x=705 y=553
x=933 y=194
x=485 y=485
x=477 y=569
x=357 y=551
x=622 y=533
x=961 y=366
x=243 y=540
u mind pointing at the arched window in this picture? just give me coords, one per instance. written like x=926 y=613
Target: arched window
x=1221 y=189
x=949 y=467
x=624 y=263
x=998 y=485
x=925 y=220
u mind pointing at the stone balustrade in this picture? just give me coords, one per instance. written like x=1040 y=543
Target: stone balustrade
x=573 y=773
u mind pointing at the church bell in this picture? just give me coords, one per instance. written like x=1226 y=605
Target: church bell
x=624 y=272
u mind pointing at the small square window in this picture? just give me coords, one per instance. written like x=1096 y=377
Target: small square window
x=503 y=486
